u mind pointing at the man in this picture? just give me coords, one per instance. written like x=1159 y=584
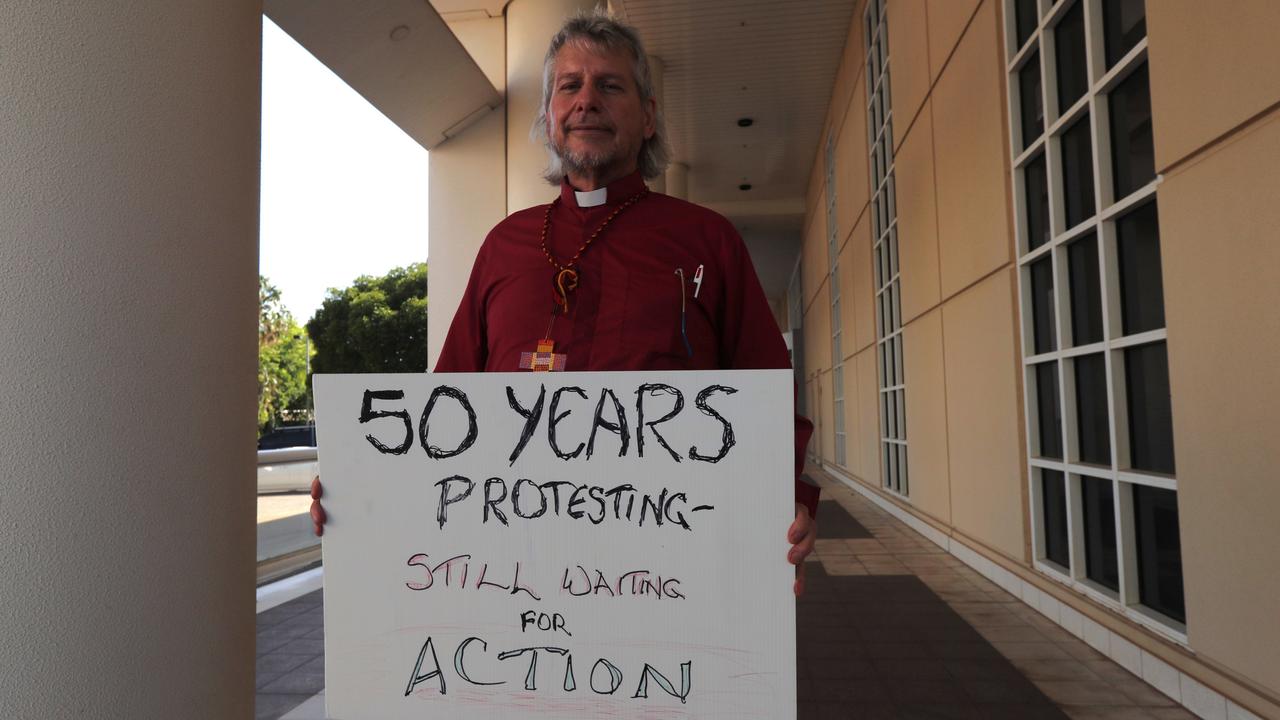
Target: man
x=611 y=276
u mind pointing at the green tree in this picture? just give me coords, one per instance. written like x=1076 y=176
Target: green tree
x=282 y=359
x=379 y=324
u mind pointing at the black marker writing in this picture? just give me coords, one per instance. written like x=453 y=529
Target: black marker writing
x=531 y=417
x=555 y=419
x=424 y=429
x=619 y=428
x=655 y=389
x=367 y=413
x=726 y=438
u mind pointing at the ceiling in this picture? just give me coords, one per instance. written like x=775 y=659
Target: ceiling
x=399 y=54
x=774 y=61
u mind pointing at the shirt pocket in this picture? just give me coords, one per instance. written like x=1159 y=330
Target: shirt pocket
x=653 y=316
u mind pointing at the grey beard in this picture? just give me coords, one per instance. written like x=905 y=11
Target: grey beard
x=579 y=162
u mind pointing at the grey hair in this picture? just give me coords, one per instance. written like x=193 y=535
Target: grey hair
x=601 y=30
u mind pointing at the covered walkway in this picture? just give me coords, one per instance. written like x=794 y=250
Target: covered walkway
x=892 y=626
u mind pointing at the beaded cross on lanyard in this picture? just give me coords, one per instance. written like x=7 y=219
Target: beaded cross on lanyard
x=564 y=282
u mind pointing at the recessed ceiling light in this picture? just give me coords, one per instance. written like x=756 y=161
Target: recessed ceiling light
x=745 y=122
x=744 y=187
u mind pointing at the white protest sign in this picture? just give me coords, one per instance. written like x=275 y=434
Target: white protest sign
x=558 y=545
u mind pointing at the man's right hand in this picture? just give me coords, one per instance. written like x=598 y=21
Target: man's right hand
x=318 y=517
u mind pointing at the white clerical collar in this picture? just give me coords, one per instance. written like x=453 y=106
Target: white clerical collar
x=592 y=198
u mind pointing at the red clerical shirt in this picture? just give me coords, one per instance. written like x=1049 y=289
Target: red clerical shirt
x=626 y=312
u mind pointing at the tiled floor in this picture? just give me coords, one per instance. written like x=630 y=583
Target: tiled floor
x=891 y=627
x=290 y=655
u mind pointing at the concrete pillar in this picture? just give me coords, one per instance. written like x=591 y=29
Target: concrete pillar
x=530 y=25
x=658 y=72
x=678 y=180
x=128 y=306
x=468 y=181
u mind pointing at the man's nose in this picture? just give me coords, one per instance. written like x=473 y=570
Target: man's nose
x=588 y=99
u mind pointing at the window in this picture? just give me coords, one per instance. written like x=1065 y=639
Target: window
x=1049 y=412
x=1100 y=454
x=1053 y=491
x=1159 y=551
x=893 y=412
x=1029 y=97
x=1086 y=292
x=1077 y=173
x=1037 y=190
x=1101 y=562
x=1133 y=159
x=1073 y=77
x=833 y=267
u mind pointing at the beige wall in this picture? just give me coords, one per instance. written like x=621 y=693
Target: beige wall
x=950 y=171
x=1217 y=140
x=1221 y=260
x=468 y=186
x=1212 y=70
x=1217 y=130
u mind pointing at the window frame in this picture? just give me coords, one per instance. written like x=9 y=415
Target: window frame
x=1108 y=209
x=886 y=261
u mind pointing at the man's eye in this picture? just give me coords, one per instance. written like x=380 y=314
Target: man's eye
x=569 y=87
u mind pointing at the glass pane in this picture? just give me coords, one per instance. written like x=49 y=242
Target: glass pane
x=1073 y=75
x=1124 y=24
x=1025 y=19
x=1053 y=496
x=1086 y=291
x=1030 y=100
x=1037 y=190
x=902 y=469
x=1150 y=408
x=1159 y=551
x=1049 y=411
x=1092 y=425
x=1042 y=313
x=1101 y=561
x=885 y=86
x=1133 y=160
x=1141 y=285
x=902 y=412
x=876 y=267
x=884 y=416
x=1077 y=172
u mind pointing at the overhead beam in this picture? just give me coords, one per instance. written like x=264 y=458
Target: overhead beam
x=399 y=55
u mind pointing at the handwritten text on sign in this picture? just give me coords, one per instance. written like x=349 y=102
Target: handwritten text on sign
x=575 y=545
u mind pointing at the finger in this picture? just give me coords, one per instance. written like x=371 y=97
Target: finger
x=798 y=587
x=800 y=525
x=318 y=530
x=316 y=490
x=318 y=515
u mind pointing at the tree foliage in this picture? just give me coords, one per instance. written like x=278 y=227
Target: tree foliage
x=282 y=359
x=379 y=324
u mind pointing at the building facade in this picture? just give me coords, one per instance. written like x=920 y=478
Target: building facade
x=1039 y=285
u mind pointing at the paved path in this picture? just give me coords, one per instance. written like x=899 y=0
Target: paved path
x=892 y=627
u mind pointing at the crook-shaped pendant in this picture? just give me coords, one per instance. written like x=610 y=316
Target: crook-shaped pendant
x=566 y=281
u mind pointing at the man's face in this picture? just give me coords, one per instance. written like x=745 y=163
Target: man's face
x=596 y=119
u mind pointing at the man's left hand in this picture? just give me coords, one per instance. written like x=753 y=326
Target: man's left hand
x=802 y=534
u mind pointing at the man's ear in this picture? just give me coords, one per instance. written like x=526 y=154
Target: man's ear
x=650 y=117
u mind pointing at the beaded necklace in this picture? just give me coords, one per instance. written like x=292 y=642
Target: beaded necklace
x=564 y=282
x=566 y=277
